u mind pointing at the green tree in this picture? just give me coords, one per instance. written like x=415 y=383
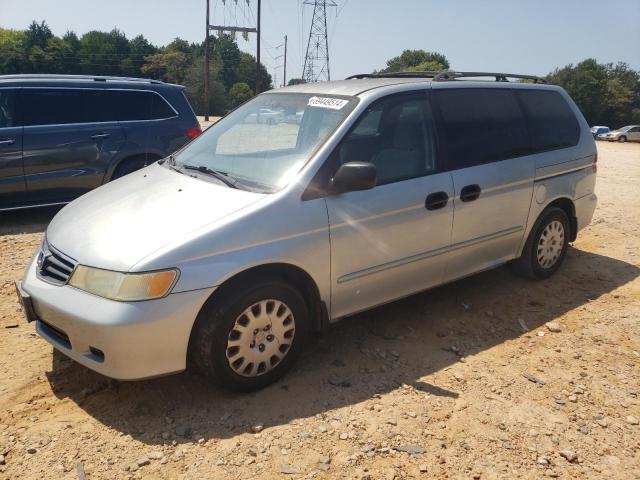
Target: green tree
x=194 y=83
x=296 y=81
x=238 y=94
x=246 y=72
x=417 y=60
x=606 y=94
x=102 y=53
x=12 y=53
x=167 y=65
x=37 y=35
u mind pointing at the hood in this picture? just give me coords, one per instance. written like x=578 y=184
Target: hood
x=118 y=224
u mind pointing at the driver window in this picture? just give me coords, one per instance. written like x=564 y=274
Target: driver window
x=396 y=135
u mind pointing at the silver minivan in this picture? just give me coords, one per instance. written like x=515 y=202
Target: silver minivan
x=227 y=255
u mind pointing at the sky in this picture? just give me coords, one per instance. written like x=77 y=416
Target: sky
x=515 y=36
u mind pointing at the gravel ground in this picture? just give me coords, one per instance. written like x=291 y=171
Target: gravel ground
x=489 y=377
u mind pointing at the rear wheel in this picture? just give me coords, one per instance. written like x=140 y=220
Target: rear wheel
x=622 y=139
x=546 y=246
x=130 y=165
x=249 y=338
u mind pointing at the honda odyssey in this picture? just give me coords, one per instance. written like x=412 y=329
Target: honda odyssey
x=227 y=255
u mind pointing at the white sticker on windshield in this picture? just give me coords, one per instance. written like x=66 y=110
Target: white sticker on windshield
x=327 y=102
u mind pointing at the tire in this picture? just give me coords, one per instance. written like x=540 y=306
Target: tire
x=223 y=334
x=542 y=257
x=622 y=139
x=130 y=165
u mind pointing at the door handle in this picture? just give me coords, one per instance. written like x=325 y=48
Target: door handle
x=436 y=200
x=11 y=141
x=470 y=193
x=99 y=136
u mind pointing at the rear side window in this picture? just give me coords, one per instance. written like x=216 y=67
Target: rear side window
x=51 y=106
x=7 y=108
x=551 y=121
x=127 y=105
x=481 y=125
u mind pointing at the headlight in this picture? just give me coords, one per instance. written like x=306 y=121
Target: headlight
x=123 y=286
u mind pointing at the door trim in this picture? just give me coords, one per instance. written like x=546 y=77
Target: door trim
x=431 y=253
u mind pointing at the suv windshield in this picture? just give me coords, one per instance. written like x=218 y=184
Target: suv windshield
x=263 y=144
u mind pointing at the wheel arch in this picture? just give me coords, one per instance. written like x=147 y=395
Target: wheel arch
x=289 y=273
x=149 y=156
x=567 y=205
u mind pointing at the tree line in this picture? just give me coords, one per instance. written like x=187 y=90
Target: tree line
x=607 y=94
x=232 y=71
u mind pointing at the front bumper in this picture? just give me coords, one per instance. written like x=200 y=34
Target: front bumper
x=122 y=340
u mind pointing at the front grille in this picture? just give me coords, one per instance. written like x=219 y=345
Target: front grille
x=54 y=266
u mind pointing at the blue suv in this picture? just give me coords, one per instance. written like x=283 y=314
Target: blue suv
x=61 y=136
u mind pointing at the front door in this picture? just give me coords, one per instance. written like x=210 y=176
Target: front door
x=12 y=185
x=390 y=241
x=66 y=150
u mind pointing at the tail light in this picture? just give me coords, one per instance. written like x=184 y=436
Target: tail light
x=193 y=132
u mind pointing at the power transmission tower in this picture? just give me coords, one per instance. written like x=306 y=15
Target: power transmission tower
x=232 y=30
x=316 y=61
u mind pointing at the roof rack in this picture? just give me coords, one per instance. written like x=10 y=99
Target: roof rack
x=449 y=75
x=95 y=78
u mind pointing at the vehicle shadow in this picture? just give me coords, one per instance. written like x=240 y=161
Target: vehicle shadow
x=371 y=353
x=31 y=220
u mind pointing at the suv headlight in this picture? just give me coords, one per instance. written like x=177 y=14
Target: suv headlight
x=125 y=287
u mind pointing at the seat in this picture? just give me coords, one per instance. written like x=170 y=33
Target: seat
x=405 y=158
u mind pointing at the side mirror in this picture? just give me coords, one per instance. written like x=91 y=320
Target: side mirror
x=352 y=176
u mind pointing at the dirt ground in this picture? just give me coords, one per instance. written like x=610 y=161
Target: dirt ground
x=464 y=381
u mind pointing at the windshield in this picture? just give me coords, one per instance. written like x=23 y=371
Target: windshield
x=624 y=129
x=264 y=144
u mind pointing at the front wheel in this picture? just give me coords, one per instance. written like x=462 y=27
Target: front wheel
x=622 y=139
x=546 y=246
x=250 y=338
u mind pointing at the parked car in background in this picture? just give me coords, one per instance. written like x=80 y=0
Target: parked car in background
x=630 y=133
x=61 y=136
x=599 y=130
x=228 y=255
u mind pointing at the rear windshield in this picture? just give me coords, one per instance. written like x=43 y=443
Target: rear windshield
x=264 y=143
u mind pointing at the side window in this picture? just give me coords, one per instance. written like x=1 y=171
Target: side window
x=127 y=105
x=160 y=108
x=396 y=135
x=551 y=121
x=7 y=108
x=51 y=106
x=481 y=125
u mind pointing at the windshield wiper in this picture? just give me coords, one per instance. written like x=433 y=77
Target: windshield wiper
x=218 y=175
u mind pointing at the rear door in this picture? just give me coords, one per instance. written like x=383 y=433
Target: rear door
x=68 y=143
x=12 y=185
x=486 y=140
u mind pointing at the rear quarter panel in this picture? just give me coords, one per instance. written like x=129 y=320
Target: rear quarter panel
x=564 y=173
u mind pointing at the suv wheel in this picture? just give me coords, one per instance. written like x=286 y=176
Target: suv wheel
x=130 y=165
x=546 y=246
x=250 y=338
x=622 y=139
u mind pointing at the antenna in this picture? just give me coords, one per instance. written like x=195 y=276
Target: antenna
x=316 y=61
